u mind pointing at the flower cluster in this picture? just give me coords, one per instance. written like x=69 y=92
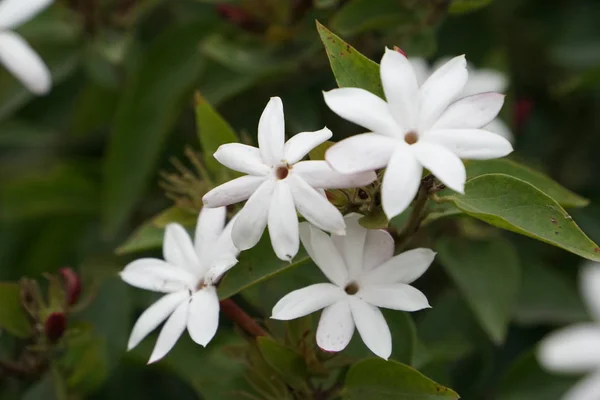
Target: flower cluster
x=431 y=124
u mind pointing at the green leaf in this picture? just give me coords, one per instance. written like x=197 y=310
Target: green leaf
x=152 y=100
x=359 y=16
x=213 y=131
x=13 y=317
x=562 y=195
x=256 y=265
x=517 y=206
x=466 y=6
x=287 y=362
x=390 y=380
x=488 y=275
x=318 y=153
x=350 y=68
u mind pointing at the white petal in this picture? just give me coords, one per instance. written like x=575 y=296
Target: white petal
x=271 y=132
x=403 y=268
x=372 y=327
x=440 y=89
x=24 y=63
x=400 y=182
x=171 y=332
x=203 y=316
x=471 y=112
x=252 y=219
x=154 y=316
x=590 y=287
x=232 y=192
x=209 y=227
x=401 y=88
x=572 y=349
x=327 y=257
x=442 y=163
x=499 y=127
x=225 y=254
x=485 y=80
x=360 y=153
x=336 y=327
x=156 y=275
x=363 y=108
x=379 y=247
x=352 y=245
x=305 y=229
x=396 y=296
x=315 y=207
x=242 y=158
x=16 y=12
x=307 y=300
x=586 y=389
x=283 y=223
x=302 y=143
x=474 y=144
x=320 y=175
x=178 y=249
x=420 y=68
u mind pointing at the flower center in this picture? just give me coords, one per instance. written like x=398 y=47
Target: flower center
x=351 y=288
x=201 y=285
x=411 y=137
x=282 y=172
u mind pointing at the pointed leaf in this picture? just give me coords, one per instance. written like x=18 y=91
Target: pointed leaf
x=285 y=361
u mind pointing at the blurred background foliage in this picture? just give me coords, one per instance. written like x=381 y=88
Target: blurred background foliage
x=80 y=170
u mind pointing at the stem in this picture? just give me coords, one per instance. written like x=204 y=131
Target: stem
x=243 y=320
x=418 y=212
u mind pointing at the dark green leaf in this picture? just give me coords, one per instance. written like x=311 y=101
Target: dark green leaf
x=465 y=6
x=287 y=362
x=390 y=380
x=13 y=317
x=318 y=153
x=359 y=16
x=488 y=275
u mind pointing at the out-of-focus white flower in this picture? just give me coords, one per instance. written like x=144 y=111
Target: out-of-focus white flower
x=364 y=276
x=420 y=126
x=16 y=55
x=480 y=81
x=279 y=183
x=187 y=275
x=576 y=349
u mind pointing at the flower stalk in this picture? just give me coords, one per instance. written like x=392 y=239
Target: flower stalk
x=243 y=320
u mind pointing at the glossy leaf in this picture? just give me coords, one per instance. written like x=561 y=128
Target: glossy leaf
x=358 y=16
x=13 y=317
x=285 y=361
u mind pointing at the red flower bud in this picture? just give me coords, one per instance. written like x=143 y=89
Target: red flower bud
x=399 y=50
x=523 y=109
x=72 y=285
x=55 y=326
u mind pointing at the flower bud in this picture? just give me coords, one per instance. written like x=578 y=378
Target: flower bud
x=55 y=326
x=399 y=50
x=72 y=285
x=523 y=109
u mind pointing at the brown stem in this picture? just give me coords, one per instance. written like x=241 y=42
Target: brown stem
x=418 y=212
x=239 y=316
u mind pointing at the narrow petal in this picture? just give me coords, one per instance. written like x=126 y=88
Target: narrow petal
x=336 y=327
x=379 y=248
x=178 y=249
x=586 y=389
x=156 y=275
x=13 y=13
x=360 y=153
x=442 y=163
x=401 y=88
x=302 y=143
x=209 y=227
x=471 y=112
x=154 y=316
x=590 y=287
x=485 y=80
x=351 y=246
x=232 y=192
x=24 y=63
x=252 y=219
x=372 y=327
x=363 y=108
x=203 y=316
x=242 y=158
x=225 y=255
x=575 y=349
x=499 y=127
x=320 y=175
x=307 y=300
x=283 y=223
x=305 y=229
x=171 y=332
x=403 y=268
x=440 y=89
x=400 y=182
x=396 y=296
x=327 y=257
x=420 y=68
x=271 y=132
x=474 y=144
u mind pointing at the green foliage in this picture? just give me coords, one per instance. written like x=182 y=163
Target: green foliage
x=358 y=16
x=289 y=364
x=465 y=6
x=13 y=317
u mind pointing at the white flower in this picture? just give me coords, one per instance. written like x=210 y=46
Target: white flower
x=278 y=184
x=480 y=81
x=576 y=349
x=16 y=55
x=187 y=275
x=365 y=275
x=418 y=126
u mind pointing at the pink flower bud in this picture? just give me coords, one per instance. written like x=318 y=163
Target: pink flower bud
x=72 y=285
x=55 y=326
x=399 y=50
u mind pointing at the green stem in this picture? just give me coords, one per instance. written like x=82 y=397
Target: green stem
x=418 y=214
